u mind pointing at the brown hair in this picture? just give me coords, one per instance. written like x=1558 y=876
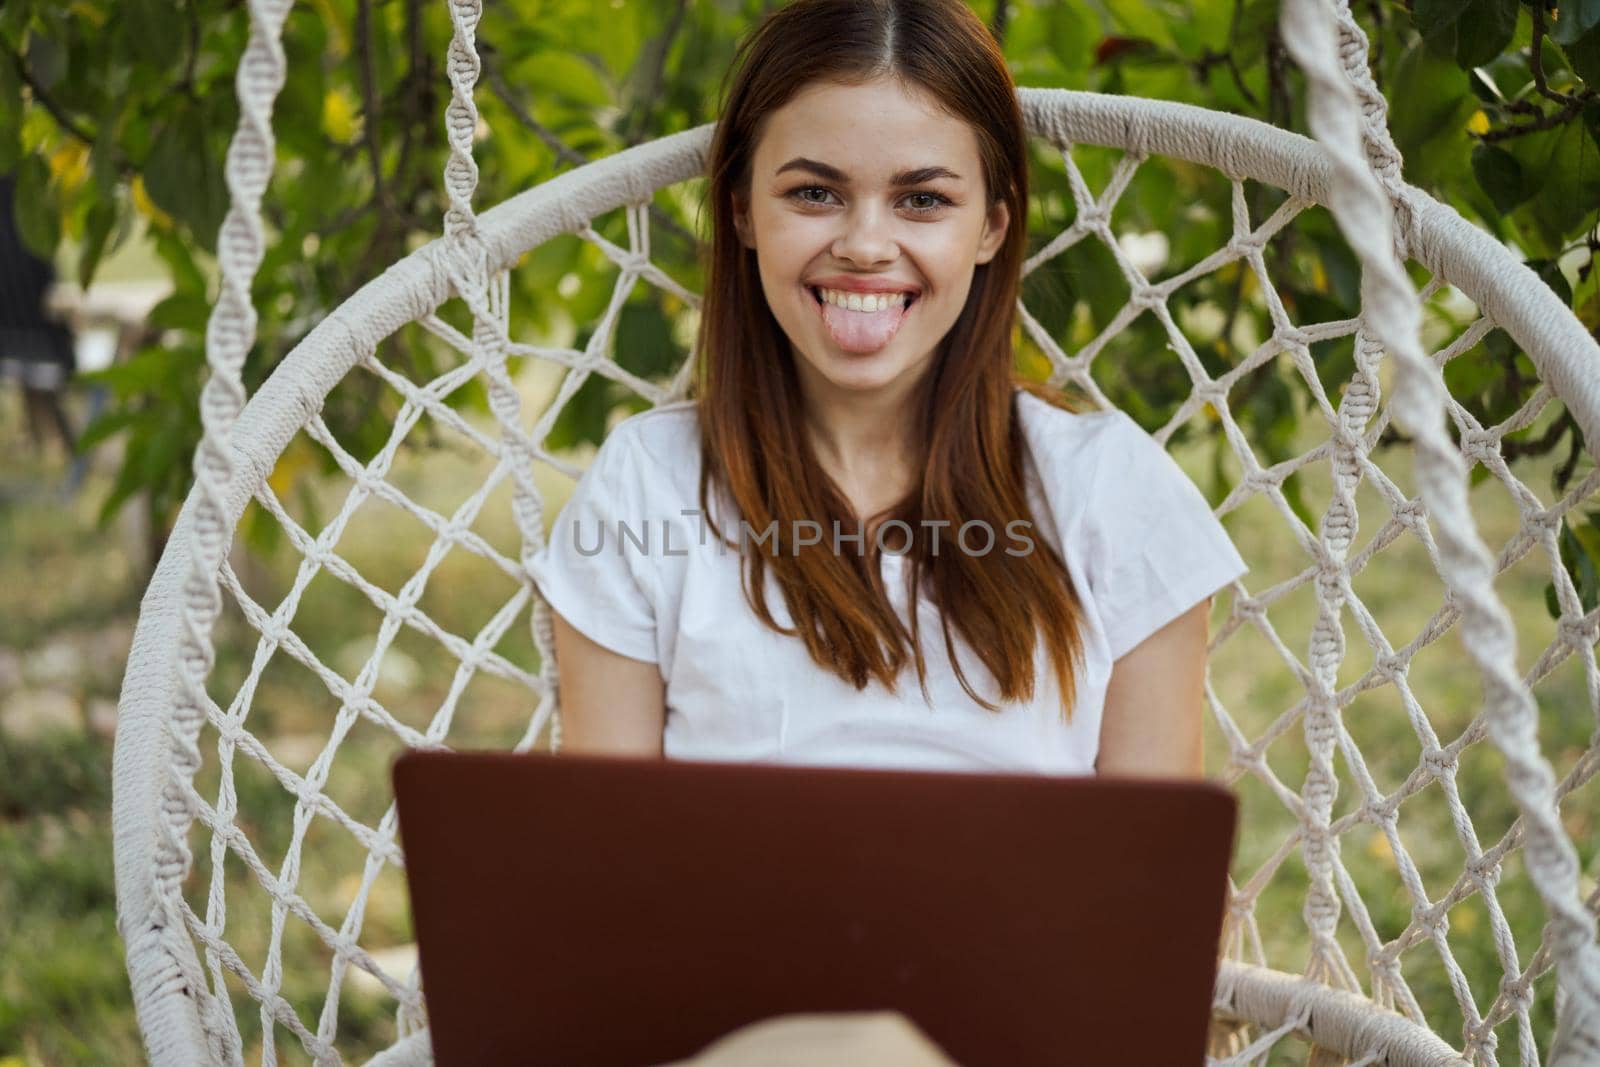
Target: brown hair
x=969 y=440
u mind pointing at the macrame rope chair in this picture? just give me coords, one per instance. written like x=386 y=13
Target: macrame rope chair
x=191 y=979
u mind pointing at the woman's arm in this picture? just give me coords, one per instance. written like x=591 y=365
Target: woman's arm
x=610 y=704
x=1154 y=702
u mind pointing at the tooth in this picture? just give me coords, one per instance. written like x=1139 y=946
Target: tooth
x=855 y=302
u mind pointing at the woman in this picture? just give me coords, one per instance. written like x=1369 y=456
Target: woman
x=863 y=542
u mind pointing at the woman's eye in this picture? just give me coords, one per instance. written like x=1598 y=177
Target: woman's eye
x=925 y=203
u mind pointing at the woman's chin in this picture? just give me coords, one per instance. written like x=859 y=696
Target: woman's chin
x=863 y=373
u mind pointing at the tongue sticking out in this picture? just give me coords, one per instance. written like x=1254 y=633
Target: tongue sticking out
x=863 y=331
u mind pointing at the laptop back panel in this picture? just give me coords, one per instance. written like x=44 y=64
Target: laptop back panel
x=607 y=911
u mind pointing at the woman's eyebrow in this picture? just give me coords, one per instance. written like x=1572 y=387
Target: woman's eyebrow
x=834 y=174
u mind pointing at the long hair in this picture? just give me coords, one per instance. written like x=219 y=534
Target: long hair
x=967 y=434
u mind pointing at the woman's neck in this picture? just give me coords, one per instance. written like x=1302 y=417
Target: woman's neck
x=864 y=442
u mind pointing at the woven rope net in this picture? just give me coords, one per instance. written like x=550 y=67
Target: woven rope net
x=1380 y=853
x=1378 y=821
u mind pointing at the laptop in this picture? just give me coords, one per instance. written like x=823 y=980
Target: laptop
x=624 y=912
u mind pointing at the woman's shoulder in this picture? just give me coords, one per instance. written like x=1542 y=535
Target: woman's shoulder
x=671 y=430
x=659 y=447
x=663 y=424
x=1061 y=438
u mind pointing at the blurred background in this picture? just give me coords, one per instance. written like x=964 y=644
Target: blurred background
x=114 y=121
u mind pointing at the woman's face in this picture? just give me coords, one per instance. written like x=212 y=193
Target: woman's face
x=866 y=189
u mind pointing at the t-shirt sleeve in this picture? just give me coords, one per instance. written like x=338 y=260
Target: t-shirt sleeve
x=588 y=572
x=1155 y=547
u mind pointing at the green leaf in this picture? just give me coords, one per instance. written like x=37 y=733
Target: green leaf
x=1471 y=374
x=184 y=179
x=1484 y=31
x=1094 y=276
x=47 y=60
x=1583 y=565
x=1432 y=16
x=1473 y=32
x=1144 y=19
x=181 y=311
x=150 y=31
x=1584 y=55
x=96 y=230
x=1567 y=160
x=1500 y=175
x=643 y=340
x=104 y=426
x=584 y=416
x=1436 y=111
x=35 y=210
x=181 y=267
x=10 y=117
x=261 y=531
x=1047 y=294
x=1549 y=272
x=146 y=371
x=1435 y=21
x=562 y=76
x=1574 y=18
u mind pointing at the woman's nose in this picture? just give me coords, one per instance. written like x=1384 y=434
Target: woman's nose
x=867 y=238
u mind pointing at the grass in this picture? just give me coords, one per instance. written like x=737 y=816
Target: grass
x=64 y=994
x=63 y=988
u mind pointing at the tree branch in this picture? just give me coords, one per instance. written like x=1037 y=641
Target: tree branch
x=369 y=93
x=1571 y=103
x=564 y=152
x=1563 y=475
x=1544 y=443
x=416 y=125
x=389 y=210
x=45 y=100
x=497 y=84
x=638 y=119
x=1544 y=122
x=187 y=85
x=1212 y=58
x=1536 y=60
x=1378 y=22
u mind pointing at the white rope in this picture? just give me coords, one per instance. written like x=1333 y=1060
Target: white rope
x=1383 y=156
x=411 y=290
x=488 y=298
x=1362 y=208
x=158 y=951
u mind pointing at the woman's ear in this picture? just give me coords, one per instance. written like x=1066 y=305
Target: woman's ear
x=994 y=231
x=741 y=221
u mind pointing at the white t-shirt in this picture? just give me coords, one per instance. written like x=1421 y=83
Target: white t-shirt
x=1140 y=542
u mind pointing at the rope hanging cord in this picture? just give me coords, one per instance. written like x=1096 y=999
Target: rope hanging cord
x=151 y=924
x=1361 y=204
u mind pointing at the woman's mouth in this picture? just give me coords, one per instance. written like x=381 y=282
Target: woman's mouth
x=852 y=325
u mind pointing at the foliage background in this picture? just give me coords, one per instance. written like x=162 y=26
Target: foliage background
x=115 y=116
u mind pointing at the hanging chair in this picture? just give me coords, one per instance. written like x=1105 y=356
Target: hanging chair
x=215 y=916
